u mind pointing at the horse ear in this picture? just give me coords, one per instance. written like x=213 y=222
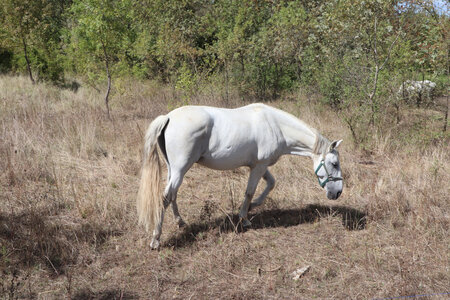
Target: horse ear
x=335 y=144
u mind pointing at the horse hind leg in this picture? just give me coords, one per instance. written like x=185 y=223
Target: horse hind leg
x=154 y=244
x=176 y=214
x=270 y=185
x=170 y=195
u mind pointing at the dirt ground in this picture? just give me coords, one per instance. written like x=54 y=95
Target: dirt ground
x=68 y=227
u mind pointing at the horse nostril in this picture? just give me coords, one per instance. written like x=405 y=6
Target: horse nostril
x=338 y=194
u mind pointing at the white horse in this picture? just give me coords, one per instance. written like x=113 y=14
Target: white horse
x=416 y=91
x=255 y=136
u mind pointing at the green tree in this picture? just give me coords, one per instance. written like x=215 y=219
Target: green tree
x=356 y=41
x=32 y=31
x=102 y=34
x=19 y=21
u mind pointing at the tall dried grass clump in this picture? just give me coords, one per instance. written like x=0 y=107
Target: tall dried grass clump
x=412 y=188
x=62 y=171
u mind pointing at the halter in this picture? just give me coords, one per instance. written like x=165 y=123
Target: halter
x=329 y=176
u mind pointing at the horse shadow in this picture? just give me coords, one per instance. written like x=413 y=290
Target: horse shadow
x=352 y=219
x=34 y=236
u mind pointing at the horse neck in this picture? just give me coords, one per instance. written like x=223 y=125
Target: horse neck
x=300 y=138
x=321 y=145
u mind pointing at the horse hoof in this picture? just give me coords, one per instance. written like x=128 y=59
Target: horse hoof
x=246 y=223
x=154 y=245
x=181 y=224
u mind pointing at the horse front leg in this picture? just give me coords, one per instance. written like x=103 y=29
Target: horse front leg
x=269 y=187
x=255 y=175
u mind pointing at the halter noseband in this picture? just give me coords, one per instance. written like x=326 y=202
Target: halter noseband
x=329 y=176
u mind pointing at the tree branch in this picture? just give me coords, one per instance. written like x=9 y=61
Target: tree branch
x=390 y=49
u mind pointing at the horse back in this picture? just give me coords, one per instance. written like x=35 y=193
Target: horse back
x=226 y=138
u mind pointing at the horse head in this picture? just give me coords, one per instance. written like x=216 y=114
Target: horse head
x=328 y=171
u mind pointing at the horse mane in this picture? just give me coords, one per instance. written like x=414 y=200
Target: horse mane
x=321 y=144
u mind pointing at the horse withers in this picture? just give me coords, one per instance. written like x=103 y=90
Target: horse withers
x=255 y=136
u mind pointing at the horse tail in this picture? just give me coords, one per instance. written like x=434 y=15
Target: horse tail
x=149 y=199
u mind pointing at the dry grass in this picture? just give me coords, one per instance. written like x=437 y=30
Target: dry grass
x=69 y=179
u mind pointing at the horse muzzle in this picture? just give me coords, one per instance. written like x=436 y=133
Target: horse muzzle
x=333 y=196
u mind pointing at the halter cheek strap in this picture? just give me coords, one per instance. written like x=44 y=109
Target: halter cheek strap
x=329 y=176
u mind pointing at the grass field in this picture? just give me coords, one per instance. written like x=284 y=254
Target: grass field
x=68 y=226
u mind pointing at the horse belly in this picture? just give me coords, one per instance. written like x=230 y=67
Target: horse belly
x=227 y=159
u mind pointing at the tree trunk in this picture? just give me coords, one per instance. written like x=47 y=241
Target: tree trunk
x=420 y=92
x=378 y=68
x=226 y=83
x=25 y=52
x=276 y=87
x=356 y=140
x=372 y=95
x=446 y=116
x=108 y=74
x=448 y=60
x=107 y=90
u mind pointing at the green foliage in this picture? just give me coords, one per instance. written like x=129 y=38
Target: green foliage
x=102 y=33
x=365 y=50
x=32 y=30
x=186 y=83
x=354 y=53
